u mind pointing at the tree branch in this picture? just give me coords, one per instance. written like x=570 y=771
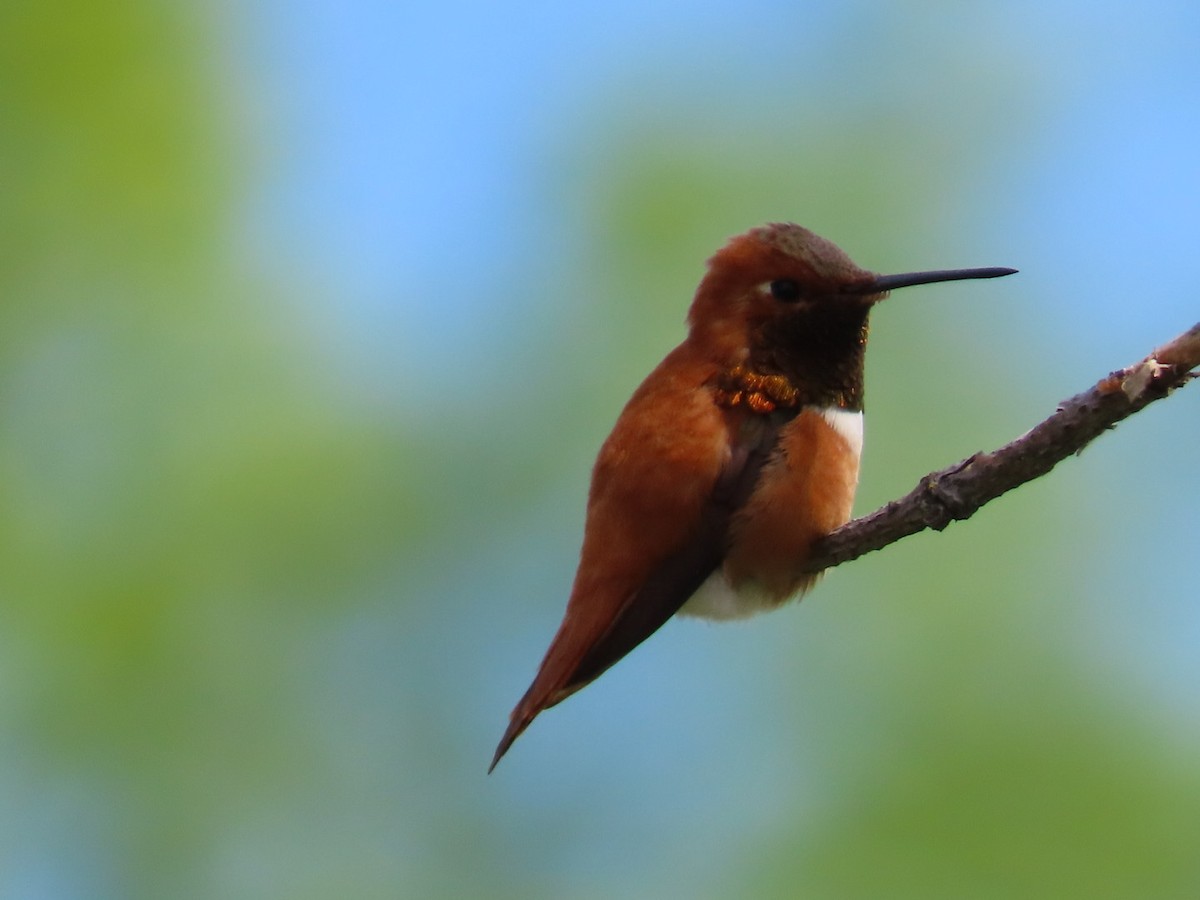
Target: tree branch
x=958 y=491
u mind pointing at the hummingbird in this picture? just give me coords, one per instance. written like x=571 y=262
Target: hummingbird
x=734 y=456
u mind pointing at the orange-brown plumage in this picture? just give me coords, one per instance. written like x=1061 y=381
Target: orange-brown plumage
x=804 y=492
x=737 y=452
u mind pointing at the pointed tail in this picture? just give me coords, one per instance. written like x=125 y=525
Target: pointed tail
x=515 y=726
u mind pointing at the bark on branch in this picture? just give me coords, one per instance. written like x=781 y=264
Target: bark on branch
x=958 y=491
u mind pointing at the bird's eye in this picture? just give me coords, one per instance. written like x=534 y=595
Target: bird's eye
x=786 y=290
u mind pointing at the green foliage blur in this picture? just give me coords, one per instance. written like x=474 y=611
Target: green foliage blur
x=258 y=631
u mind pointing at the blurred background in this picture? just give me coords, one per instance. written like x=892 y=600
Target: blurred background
x=314 y=315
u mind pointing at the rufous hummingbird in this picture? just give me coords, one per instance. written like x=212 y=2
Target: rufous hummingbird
x=730 y=460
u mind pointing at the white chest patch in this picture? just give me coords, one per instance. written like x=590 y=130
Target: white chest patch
x=849 y=424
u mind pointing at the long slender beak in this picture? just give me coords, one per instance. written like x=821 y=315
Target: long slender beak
x=883 y=283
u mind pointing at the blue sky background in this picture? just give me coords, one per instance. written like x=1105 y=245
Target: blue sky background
x=396 y=129
x=434 y=164
x=445 y=171
x=319 y=313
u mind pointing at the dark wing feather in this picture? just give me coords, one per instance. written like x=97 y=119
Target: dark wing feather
x=681 y=574
x=674 y=580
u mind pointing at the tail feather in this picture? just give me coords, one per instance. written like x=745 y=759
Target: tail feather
x=515 y=727
x=589 y=641
x=536 y=699
x=557 y=678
